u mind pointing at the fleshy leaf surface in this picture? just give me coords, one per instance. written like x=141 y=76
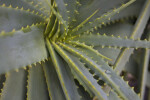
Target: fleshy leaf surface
x=22 y=48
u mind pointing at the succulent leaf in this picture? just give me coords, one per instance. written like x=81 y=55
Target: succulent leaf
x=103 y=71
x=103 y=40
x=64 y=75
x=15 y=85
x=101 y=20
x=36 y=86
x=22 y=48
x=73 y=49
x=79 y=68
x=53 y=83
x=14 y=18
x=137 y=32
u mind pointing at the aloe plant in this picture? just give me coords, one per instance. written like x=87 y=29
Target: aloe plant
x=73 y=49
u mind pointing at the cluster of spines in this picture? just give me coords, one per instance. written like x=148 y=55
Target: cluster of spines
x=39 y=6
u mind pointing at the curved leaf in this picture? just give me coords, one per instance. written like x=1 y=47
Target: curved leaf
x=78 y=67
x=22 y=48
x=101 y=69
x=11 y=18
x=22 y=4
x=64 y=75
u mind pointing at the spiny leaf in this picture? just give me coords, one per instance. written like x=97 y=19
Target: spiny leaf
x=78 y=67
x=15 y=86
x=86 y=8
x=137 y=32
x=58 y=16
x=36 y=88
x=42 y=2
x=39 y=6
x=64 y=75
x=70 y=9
x=101 y=20
x=62 y=9
x=51 y=22
x=104 y=71
x=144 y=63
x=53 y=83
x=22 y=48
x=111 y=53
x=143 y=72
x=12 y=18
x=89 y=48
x=54 y=29
x=121 y=29
x=21 y=4
x=117 y=29
x=128 y=12
x=103 y=40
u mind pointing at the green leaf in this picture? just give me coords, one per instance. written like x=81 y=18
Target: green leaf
x=53 y=83
x=62 y=9
x=22 y=48
x=89 y=48
x=79 y=68
x=50 y=24
x=70 y=9
x=104 y=71
x=137 y=32
x=117 y=29
x=25 y=5
x=103 y=40
x=131 y=11
x=64 y=75
x=85 y=8
x=44 y=3
x=143 y=72
x=36 y=88
x=11 y=18
x=144 y=64
x=14 y=86
x=54 y=29
x=101 y=20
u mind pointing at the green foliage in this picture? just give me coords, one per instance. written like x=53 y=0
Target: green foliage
x=73 y=49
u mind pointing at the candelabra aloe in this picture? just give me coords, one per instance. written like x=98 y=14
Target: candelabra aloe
x=71 y=49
